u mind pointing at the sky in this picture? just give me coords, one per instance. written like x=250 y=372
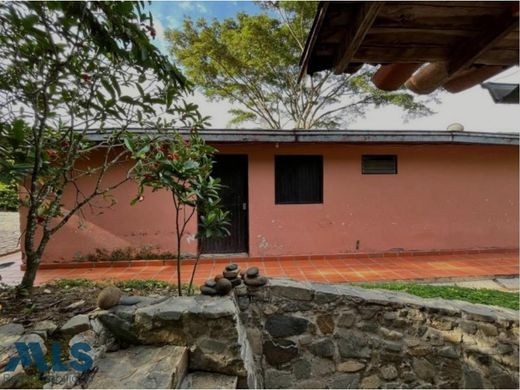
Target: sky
x=473 y=108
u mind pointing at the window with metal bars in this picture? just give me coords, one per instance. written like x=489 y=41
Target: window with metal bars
x=298 y=179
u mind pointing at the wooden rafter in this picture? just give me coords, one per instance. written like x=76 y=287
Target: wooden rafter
x=311 y=40
x=467 y=52
x=436 y=74
x=356 y=33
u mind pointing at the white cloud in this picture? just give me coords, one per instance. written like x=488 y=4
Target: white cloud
x=202 y=8
x=185 y=5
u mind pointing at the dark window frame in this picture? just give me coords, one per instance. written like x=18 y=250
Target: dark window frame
x=281 y=198
x=372 y=157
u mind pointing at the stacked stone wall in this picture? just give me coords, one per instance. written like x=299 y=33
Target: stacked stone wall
x=317 y=336
x=290 y=334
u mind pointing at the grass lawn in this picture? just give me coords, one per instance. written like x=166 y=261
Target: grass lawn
x=485 y=296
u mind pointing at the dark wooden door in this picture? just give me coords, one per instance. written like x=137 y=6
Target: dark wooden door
x=232 y=171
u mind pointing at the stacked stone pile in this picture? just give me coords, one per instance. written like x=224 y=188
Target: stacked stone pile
x=233 y=278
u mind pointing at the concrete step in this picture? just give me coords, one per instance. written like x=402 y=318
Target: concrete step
x=142 y=367
x=208 y=380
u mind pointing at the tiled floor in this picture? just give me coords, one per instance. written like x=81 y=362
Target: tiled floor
x=329 y=271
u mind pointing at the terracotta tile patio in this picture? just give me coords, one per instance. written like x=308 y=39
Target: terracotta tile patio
x=339 y=270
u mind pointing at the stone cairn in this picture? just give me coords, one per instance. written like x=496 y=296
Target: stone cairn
x=233 y=278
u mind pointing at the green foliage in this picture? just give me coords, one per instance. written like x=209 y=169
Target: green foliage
x=252 y=61
x=473 y=295
x=182 y=167
x=8 y=197
x=71 y=283
x=144 y=285
x=74 y=77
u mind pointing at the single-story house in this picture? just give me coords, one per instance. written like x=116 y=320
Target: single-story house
x=316 y=193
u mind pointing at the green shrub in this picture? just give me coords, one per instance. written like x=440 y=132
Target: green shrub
x=8 y=197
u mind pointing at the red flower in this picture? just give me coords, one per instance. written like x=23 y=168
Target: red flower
x=86 y=77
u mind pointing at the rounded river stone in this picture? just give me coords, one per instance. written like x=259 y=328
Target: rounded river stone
x=236 y=282
x=223 y=286
x=252 y=272
x=208 y=290
x=232 y=267
x=256 y=281
x=230 y=274
x=211 y=283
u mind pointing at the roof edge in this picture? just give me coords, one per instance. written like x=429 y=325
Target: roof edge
x=339 y=136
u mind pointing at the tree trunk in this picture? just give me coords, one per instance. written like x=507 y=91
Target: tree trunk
x=179 y=286
x=199 y=251
x=32 y=264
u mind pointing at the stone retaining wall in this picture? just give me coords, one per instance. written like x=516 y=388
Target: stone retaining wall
x=208 y=326
x=317 y=336
x=290 y=334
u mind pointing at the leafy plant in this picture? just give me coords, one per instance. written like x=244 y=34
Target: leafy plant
x=182 y=167
x=8 y=197
x=74 y=77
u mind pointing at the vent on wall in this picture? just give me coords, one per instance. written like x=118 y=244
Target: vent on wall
x=380 y=164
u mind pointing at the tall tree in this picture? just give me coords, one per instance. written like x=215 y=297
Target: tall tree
x=74 y=77
x=252 y=61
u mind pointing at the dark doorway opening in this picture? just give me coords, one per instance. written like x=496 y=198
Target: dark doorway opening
x=232 y=171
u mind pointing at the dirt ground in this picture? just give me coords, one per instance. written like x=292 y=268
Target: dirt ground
x=59 y=302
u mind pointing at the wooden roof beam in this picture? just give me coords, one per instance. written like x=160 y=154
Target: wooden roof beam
x=467 y=52
x=436 y=74
x=355 y=34
x=390 y=77
x=470 y=77
x=311 y=39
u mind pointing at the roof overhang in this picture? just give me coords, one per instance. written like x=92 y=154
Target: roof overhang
x=423 y=45
x=341 y=136
x=503 y=93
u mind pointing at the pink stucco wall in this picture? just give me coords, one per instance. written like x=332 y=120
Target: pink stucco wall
x=444 y=197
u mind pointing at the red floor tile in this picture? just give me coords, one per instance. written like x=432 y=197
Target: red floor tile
x=329 y=269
